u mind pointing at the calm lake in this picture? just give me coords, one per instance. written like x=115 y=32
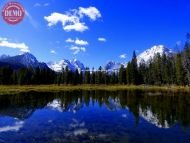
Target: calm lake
x=95 y=116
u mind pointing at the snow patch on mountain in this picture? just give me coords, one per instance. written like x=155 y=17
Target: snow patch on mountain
x=78 y=65
x=112 y=66
x=72 y=65
x=144 y=57
x=149 y=54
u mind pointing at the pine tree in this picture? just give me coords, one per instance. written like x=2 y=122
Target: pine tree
x=24 y=76
x=63 y=76
x=66 y=75
x=142 y=73
x=186 y=61
x=179 y=70
x=15 y=78
x=112 y=78
x=92 y=77
x=129 y=73
x=99 y=76
x=134 y=70
x=6 y=75
x=156 y=67
x=87 y=76
x=76 y=77
x=122 y=75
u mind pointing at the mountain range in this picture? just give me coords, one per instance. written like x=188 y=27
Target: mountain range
x=144 y=57
x=71 y=64
x=28 y=60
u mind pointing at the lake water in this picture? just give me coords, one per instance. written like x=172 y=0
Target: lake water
x=95 y=116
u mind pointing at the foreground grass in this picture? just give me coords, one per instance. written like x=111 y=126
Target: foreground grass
x=55 y=88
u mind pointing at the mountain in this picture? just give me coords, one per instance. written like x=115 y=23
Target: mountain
x=78 y=65
x=4 y=56
x=26 y=60
x=72 y=65
x=112 y=66
x=145 y=57
x=149 y=54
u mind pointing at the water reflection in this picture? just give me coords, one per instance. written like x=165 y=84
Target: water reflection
x=163 y=110
x=99 y=116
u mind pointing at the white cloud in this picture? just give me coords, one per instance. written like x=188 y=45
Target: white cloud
x=69 y=22
x=92 y=12
x=21 y=46
x=72 y=20
x=52 y=51
x=101 y=39
x=69 y=40
x=77 y=42
x=77 y=49
x=55 y=17
x=16 y=127
x=81 y=42
x=80 y=27
x=123 y=56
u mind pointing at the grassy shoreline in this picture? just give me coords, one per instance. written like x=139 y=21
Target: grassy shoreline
x=12 y=89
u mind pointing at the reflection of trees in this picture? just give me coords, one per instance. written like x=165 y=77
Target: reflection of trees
x=22 y=105
x=170 y=108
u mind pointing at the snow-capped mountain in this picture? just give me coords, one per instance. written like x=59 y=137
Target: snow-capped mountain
x=25 y=60
x=78 y=65
x=149 y=54
x=112 y=66
x=29 y=61
x=145 y=57
x=72 y=65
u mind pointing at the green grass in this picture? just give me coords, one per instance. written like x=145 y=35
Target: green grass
x=54 y=88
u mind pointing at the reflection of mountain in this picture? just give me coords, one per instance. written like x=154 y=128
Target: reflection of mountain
x=113 y=104
x=57 y=105
x=162 y=111
x=150 y=117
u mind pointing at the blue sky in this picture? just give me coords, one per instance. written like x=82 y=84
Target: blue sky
x=95 y=31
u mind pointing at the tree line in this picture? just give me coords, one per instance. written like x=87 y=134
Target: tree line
x=164 y=69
